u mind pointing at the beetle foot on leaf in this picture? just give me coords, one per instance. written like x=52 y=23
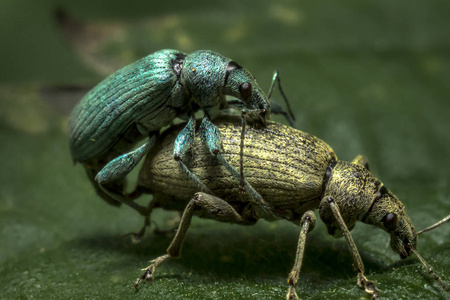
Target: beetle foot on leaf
x=147 y=276
x=149 y=271
x=368 y=286
x=292 y=295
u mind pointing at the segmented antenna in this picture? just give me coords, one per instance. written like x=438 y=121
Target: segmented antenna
x=444 y=220
x=430 y=270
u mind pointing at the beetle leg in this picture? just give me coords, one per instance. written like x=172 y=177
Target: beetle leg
x=148 y=274
x=210 y=136
x=137 y=236
x=276 y=109
x=118 y=168
x=205 y=205
x=183 y=143
x=92 y=170
x=307 y=222
x=210 y=207
x=363 y=282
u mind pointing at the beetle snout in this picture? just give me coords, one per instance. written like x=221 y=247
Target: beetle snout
x=408 y=249
x=264 y=116
x=261 y=114
x=264 y=109
x=260 y=118
x=404 y=240
x=405 y=250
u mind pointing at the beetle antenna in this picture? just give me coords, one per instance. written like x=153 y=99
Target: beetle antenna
x=444 y=220
x=276 y=78
x=430 y=270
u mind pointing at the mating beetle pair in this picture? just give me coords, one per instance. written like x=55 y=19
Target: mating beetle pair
x=304 y=172
x=140 y=99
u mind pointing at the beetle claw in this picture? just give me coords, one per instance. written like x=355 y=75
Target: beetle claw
x=368 y=286
x=291 y=295
x=148 y=276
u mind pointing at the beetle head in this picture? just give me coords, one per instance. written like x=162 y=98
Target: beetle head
x=388 y=213
x=241 y=84
x=362 y=197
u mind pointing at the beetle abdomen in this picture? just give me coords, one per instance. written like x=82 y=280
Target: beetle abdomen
x=137 y=91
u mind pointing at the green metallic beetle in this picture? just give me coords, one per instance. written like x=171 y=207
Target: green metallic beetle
x=140 y=99
x=295 y=172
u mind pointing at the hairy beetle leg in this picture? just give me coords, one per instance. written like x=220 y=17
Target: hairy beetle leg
x=210 y=136
x=206 y=205
x=148 y=274
x=276 y=109
x=307 y=222
x=184 y=143
x=118 y=168
x=362 y=281
x=137 y=236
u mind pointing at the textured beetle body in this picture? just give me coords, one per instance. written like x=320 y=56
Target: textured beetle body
x=139 y=99
x=286 y=166
x=292 y=170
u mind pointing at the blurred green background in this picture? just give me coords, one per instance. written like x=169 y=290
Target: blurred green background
x=367 y=77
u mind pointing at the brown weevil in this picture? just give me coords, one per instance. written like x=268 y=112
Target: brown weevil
x=295 y=173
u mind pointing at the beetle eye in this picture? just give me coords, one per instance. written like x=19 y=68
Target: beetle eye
x=245 y=89
x=390 y=221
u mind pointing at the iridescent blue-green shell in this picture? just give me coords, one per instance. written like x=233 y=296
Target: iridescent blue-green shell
x=143 y=90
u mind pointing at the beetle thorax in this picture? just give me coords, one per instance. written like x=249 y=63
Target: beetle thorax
x=203 y=76
x=353 y=188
